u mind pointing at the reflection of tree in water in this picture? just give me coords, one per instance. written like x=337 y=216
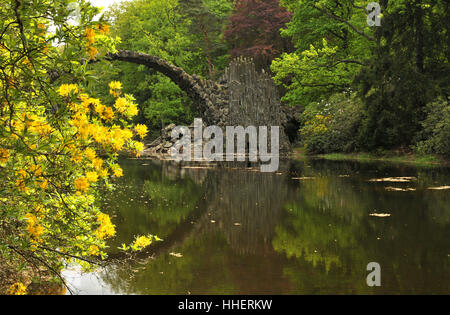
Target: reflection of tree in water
x=328 y=231
x=294 y=236
x=245 y=206
x=153 y=198
x=201 y=270
x=213 y=251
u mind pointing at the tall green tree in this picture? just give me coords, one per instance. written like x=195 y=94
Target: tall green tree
x=157 y=28
x=409 y=68
x=208 y=18
x=186 y=33
x=332 y=41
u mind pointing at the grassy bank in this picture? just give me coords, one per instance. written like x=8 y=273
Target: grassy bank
x=418 y=160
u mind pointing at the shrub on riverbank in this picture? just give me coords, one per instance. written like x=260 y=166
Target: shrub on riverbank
x=435 y=135
x=332 y=125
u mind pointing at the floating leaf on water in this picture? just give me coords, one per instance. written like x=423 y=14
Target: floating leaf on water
x=380 y=215
x=403 y=179
x=178 y=255
x=399 y=189
x=439 y=188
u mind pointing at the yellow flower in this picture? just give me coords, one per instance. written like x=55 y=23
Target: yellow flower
x=115 y=85
x=90 y=154
x=91 y=177
x=141 y=130
x=92 y=51
x=97 y=163
x=20 y=183
x=34 y=228
x=4 y=155
x=94 y=250
x=103 y=28
x=108 y=114
x=76 y=156
x=66 y=89
x=44 y=184
x=17 y=289
x=81 y=184
x=121 y=104
x=142 y=242
x=132 y=110
x=99 y=108
x=106 y=228
x=36 y=169
x=138 y=147
x=117 y=170
x=90 y=35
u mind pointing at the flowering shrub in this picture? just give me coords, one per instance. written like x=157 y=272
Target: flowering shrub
x=435 y=135
x=332 y=125
x=58 y=145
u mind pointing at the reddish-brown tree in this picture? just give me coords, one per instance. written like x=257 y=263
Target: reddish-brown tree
x=254 y=30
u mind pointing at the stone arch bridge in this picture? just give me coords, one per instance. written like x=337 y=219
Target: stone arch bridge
x=243 y=96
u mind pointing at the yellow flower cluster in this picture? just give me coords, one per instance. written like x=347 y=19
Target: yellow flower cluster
x=34 y=228
x=4 y=155
x=81 y=184
x=126 y=106
x=66 y=89
x=106 y=228
x=103 y=28
x=115 y=88
x=114 y=137
x=138 y=147
x=141 y=130
x=117 y=170
x=90 y=154
x=20 y=182
x=142 y=241
x=91 y=50
x=17 y=289
x=94 y=250
x=316 y=125
x=91 y=177
x=34 y=123
x=118 y=137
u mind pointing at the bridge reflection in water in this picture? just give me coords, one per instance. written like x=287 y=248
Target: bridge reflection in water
x=230 y=229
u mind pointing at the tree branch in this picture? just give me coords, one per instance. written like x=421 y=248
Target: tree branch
x=337 y=18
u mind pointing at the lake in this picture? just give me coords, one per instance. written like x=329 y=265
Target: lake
x=311 y=228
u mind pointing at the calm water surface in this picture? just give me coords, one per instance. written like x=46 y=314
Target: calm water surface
x=229 y=229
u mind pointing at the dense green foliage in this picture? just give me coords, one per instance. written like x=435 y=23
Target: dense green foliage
x=397 y=68
x=435 y=136
x=328 y=53
x=187 y=33
x=409 y=68
x=316 y=50
x=331 y=125
x=58 y=145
